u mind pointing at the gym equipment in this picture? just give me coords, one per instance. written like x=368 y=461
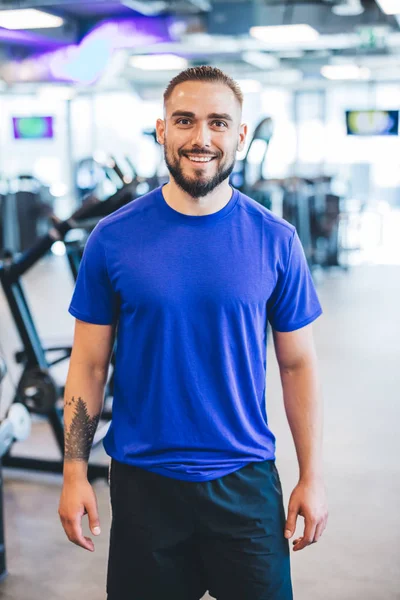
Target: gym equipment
x=315 y=212
x=157 y=179
x=306 y=203
x=248 y=175
x=296 y=210
x=3 y=192
x=325 y=217
x=37 y=390
x=130 y=187
x=15 y=427
x=98 y=178
x=25 y=207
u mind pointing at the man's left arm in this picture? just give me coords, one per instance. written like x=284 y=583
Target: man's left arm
x=297 y=361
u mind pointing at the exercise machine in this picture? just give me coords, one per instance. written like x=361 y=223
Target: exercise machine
x=248 y=175
x=25 y=206
x=15 y=427
x=314 y=210
x=37 y=389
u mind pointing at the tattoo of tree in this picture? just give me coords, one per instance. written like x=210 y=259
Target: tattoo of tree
x=79 y=437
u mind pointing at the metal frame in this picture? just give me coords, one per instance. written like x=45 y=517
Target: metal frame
x=33 y=354
x=3 y=564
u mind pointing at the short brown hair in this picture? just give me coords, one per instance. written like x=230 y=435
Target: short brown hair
x=204 y=73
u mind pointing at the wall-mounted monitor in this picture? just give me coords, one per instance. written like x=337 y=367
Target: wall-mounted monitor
x=33 y=128
x=372 y=122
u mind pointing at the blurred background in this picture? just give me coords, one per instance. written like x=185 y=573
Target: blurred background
x=81 y=87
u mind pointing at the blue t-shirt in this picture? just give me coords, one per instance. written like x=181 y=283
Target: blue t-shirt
x=192 y=296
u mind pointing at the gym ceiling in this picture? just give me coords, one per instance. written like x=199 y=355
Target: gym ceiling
x=217 y=32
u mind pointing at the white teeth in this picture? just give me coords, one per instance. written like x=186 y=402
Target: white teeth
x=200 y=159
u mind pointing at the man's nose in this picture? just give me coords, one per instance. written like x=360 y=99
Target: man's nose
x=202 y=135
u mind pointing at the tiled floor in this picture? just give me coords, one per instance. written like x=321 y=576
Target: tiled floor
x=357 y=557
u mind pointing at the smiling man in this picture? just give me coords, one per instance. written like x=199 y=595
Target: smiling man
x=192 y=272
x=200 y=147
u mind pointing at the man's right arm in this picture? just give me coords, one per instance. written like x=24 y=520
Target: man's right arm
x=83 y=403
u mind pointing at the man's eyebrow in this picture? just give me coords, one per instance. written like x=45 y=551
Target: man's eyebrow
x=191 y=115
x=182 y=113
x=224 y=116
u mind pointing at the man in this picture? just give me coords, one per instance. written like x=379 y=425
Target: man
x=191 y=272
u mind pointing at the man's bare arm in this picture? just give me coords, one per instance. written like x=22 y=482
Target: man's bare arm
x=297 y=361
x=79 y=436
x=84 y=392
x=83 y=402
x=303 y=404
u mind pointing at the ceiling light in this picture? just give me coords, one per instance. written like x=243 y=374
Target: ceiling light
x=345 y=72
x=148 y=9
x=55 y=92
x=156 y=62
x=284 y=76
x=261 y=60
x=291 y=54
x=389 y=7
x=282 y=34
x=348 y=8
x=28 y=19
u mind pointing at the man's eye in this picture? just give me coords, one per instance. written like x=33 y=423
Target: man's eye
x=221 y=123
x=180 y=121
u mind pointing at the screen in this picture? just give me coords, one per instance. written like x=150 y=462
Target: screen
x=33 y=128
x=372 y=122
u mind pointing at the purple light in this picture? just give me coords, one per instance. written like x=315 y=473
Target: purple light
x=28 y=39
x=131 y=33
x=81 y=64
x=85 y=63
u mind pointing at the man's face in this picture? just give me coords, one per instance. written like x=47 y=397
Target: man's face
x=201 y=134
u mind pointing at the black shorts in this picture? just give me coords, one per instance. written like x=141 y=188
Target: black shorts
x=174 y=540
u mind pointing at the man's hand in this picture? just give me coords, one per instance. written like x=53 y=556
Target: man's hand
x=78 y=499
x=308 y=500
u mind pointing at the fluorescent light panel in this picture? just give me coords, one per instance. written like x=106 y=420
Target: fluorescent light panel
x=28 y=19
x=284 y=76
x=348 y=8
x=338 y=72
x=55 y=92
x=158 y=62
x=261 y=60
x=282 y=34
x=389 y=7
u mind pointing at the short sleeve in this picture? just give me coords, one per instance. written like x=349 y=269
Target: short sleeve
x=294 y=302
x=94 y=299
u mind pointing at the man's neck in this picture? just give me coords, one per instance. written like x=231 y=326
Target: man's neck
x=184 y=203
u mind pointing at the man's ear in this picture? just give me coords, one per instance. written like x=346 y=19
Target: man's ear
x=160 y=130
x=242 y=137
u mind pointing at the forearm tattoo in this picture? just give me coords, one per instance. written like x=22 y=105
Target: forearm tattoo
x=79 y=436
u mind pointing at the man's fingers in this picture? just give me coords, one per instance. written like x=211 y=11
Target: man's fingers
x=94 y=522
x=291 y=520
x=308 y=536
x=73 y=529
x=319 y=530
x=312 y=532
x=89 y=544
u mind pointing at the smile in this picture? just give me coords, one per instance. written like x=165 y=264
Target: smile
x=200 y=159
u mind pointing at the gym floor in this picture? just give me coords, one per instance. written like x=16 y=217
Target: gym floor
x=357 y=557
